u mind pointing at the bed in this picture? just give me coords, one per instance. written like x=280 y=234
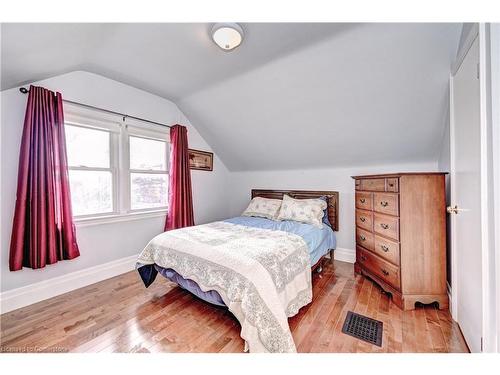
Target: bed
x=260 y=269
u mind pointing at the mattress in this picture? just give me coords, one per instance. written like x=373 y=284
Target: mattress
x=319 y=241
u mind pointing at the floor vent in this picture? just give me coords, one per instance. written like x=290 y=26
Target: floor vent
x=363 y=328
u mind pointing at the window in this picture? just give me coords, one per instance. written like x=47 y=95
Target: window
x=116 y=168
x=90 y=172
x=148 y=173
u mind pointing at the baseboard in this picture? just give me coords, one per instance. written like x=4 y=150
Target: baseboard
x=344 y=255
x=27 y=295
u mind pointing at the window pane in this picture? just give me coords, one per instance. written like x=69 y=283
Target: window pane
x=87 y=147
x=148 y=154
x=91 y=192
x=148 y=190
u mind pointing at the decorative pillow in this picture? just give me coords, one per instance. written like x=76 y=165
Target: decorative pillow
x=309 y=211
x=263 y=207
x=325 y=220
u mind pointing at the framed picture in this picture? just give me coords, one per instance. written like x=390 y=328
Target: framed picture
x=201 y=160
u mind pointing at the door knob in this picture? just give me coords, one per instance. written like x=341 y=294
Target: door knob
x=455 y=209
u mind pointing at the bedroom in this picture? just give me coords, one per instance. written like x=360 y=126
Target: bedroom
x=235 y=187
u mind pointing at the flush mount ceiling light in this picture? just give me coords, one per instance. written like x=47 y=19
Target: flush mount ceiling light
x=227 y=36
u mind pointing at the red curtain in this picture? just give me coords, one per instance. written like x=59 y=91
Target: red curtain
x=180 y=199
x=43 y=231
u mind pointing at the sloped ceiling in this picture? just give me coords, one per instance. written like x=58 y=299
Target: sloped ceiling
x=291 y=96
x=373 y=94
x=170 y=59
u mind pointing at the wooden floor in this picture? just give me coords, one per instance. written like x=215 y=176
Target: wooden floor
x=120 y=315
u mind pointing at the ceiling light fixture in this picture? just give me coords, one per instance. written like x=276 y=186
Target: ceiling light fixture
x=227 y=36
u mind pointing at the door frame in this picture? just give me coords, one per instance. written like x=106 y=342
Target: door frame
x=489 y=301
x=453 y=195
x=495 y=117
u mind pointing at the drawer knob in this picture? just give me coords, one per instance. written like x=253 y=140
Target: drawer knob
x=362 y=200
x=384 y=248
x=363 y=219
x=384 y=226
x=391 y=184
x=384 y=203
x=362 y=238
x=385 y=272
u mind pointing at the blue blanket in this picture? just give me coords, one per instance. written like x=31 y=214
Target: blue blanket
x=319 y=241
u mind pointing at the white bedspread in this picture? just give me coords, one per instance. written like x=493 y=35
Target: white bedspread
x=262 y=275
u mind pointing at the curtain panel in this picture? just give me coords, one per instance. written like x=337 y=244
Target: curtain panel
x=43 y=231
x=180 y=199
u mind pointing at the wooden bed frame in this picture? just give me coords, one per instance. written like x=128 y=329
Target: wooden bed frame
x=332 y=201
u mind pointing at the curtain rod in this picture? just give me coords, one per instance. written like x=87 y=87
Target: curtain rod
x=25 y=91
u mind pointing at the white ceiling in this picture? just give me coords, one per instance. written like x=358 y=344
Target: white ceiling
x=376 y=93
x=170 y=60
x=291 y=96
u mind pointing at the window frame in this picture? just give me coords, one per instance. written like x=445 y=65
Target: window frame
x=150 y=136
x=113 y=167
x=120 y=129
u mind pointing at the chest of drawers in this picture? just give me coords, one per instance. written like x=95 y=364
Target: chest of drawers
x=401 y=235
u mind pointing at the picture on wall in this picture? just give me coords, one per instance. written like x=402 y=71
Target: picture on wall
x=201 y=160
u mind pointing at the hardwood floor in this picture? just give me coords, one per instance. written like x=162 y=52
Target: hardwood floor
x=120 y=315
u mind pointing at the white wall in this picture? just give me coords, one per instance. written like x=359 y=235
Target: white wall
x=336 y=179
x=492 y=109
x=495 y=113
x=104 y=242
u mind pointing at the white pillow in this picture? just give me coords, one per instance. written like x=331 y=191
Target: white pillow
x=309 y=211
x=263 y=207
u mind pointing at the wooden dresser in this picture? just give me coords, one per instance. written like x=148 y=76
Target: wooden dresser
x=401 y=235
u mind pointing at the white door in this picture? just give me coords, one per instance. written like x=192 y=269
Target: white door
x=466 y=195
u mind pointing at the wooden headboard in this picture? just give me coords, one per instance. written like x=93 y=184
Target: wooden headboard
x=332 y=198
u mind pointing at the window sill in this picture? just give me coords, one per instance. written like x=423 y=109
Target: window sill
x=110 y=219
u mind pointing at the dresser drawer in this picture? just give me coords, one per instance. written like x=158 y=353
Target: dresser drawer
x=381 y=268
x=387 y=226
x=364 y=219
x=364 y=238
x=392 y=184
x=386 y=203
x=387 y=249
x=357 y=184
x=364 y=201
x=373 y=184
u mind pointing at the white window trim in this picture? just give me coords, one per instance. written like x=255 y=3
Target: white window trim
x=113 y=160
x=109 y=219
x=132 y=132
x=120 y=129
